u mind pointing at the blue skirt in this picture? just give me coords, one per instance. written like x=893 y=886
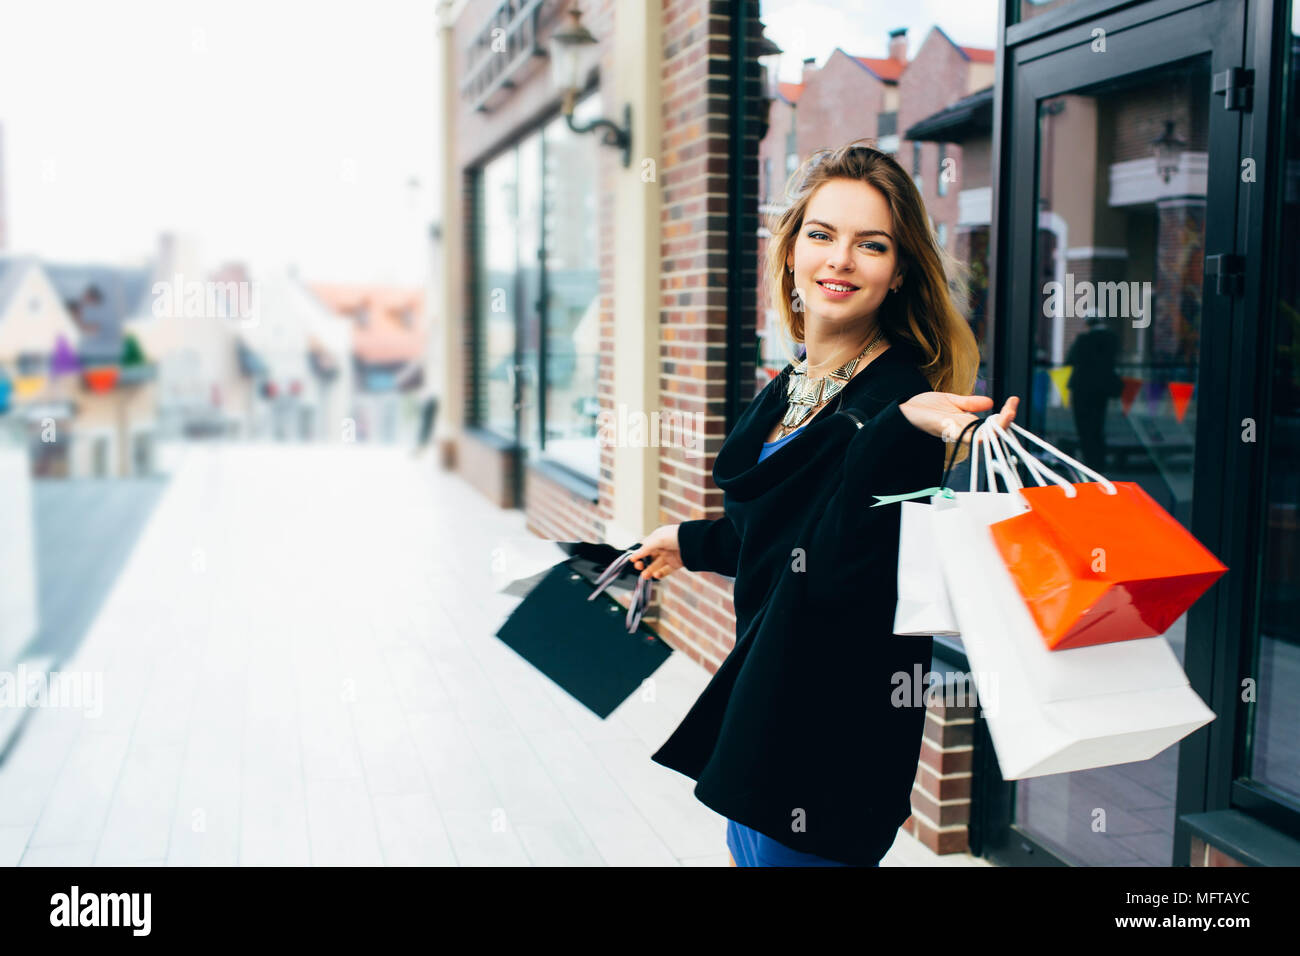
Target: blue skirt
x=750 y=848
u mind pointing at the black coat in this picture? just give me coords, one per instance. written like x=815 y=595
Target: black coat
x=797 y=734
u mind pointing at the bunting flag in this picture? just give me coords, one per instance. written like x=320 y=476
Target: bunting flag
x=101 y=379
x=1131 y=388
x=1041 y=384
x=1181 y=394
x=1061 y=375
x=5 y=388
x=132 y=354
x=27 y=386
x=1154 y=392
x=64 y=360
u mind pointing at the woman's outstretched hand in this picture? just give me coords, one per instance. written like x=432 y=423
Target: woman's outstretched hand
x=661 y=549
x=945 y=414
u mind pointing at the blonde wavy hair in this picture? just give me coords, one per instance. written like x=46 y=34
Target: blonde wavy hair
x=922 y=313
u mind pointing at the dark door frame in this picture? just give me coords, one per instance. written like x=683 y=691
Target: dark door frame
x=1139 y=38
x=1269 y=40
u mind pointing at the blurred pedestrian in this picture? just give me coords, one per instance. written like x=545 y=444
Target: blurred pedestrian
x=428 y=416
x=1093 y=383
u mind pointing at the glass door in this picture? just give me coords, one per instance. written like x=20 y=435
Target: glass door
x=1114 y=339
x=498 y=270
x=527 y=306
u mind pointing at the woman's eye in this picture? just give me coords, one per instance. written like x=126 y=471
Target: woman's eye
x=873 y=246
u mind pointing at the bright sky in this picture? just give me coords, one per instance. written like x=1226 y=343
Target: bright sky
x=804 y=28
x=277 y=138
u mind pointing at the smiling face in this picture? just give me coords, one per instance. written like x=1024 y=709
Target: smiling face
x=847 y=237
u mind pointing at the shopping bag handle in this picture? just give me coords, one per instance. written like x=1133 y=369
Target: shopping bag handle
x=640 y=600
x=610 y=573
x=956 y=447
x=1083 y=469
x=942 y=489
x=985 y=442
x=636 y=607
x=1035 y=467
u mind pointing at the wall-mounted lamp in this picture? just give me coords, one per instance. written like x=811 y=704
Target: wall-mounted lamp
x=573 y=54
x=1168 y=150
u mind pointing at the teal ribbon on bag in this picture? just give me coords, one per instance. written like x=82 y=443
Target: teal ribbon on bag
x=923 y=493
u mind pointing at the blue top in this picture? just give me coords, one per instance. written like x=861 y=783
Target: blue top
x=771 y=446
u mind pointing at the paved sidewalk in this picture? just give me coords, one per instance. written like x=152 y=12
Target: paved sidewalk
x=298 y=669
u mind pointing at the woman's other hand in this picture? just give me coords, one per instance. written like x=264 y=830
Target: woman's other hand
x=660 y=549
x=945 y=414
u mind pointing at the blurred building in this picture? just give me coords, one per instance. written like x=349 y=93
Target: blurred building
x=33 y=321
x=116 y=422
x=389 y=335
x=32 y=317
x=86 y=393
x=298 y=381
x=202 y=390
x=966 y=124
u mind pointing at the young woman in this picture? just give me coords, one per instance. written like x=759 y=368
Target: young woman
x=802 y=739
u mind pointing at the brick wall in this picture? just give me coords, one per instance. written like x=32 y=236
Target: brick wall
x=487 y=468
x=941 y=792
x=1204 y=854
x=697 y=615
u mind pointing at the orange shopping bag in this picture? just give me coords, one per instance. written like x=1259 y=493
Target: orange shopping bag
x=1101 y=561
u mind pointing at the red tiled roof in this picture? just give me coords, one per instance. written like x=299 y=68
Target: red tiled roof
x=887 y=68
x=791 y=91
x=979 y=54
x=384 y=338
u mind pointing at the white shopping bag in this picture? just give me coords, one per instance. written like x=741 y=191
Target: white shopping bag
x=923 y=606
x=1051 y=711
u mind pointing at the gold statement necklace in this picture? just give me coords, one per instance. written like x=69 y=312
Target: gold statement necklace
x=806 y=393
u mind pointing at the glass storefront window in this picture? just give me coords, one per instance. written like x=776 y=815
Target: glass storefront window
x=572 y=287
x=538 y=268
